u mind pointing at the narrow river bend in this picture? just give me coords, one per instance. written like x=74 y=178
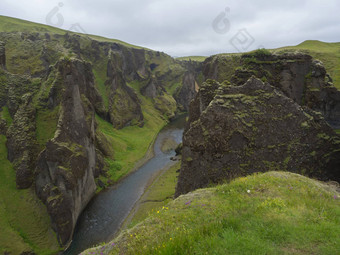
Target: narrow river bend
x=101 y=219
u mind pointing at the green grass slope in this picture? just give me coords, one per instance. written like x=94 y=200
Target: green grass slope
x=24 y=222
x=328 y=53
x=9 y=24
x=192 y=58
x=270 y=213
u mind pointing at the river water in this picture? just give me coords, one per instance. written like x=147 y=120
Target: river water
x=101 y=219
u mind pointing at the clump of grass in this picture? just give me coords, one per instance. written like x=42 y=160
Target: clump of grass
x=270 y=213
x=6 y=115
x=46 y=125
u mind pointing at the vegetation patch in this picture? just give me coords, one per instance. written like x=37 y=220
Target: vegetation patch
x=6 y=116
x=270 y=213
x=131 y=143
x=46 y=125
x=24 y=222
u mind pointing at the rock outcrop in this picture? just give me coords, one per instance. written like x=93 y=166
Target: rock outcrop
x=188 y=90
x=254 y=127
x=65 y=171
x=297 y=75
x=21 y=143
x=124 y=105
x=2 y=55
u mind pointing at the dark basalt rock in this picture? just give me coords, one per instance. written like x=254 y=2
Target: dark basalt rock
x=297 y=75
x=152 y=89
x=21 y=143
x=2 y=55
x=188 y=91
x=124 y=105
x=66 y=168
x=239 y=130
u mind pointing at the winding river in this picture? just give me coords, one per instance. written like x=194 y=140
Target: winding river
x=102 y=218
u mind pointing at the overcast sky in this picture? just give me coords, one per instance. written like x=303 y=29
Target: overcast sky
x=190 y=27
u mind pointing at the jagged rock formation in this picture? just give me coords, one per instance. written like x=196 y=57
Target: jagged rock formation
x=65 y=174
x=124 y=105
x=188 y=90
x=297 y=75
x=54 y=86
x=21 y=143
x=237 y=130
x=2 y=55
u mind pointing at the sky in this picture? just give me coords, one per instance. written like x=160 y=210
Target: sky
x=189 y=27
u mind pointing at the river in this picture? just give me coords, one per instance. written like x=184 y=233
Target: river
x=103 y=216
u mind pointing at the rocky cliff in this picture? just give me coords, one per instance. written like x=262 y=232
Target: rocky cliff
x=2 y=56
x=245 y=125
x=55 y=87
x=65 y=173
x=297 y=75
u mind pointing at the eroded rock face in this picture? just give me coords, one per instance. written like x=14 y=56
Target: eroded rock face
x=237 y=130
x=65 y=169
x=188 y=90
x=21 y=144
x=2 y=55
x=124 y=105
x=297 y=75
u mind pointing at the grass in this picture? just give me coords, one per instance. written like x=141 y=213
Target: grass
x=99 y=73
x=155 y=198
x=46 y=125
x=270 y=213
x=131 y=144
x=6 y=116
x=193 y=58
x=328 y=53
x=24 y=222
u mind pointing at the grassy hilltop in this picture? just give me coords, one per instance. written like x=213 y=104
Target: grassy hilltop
x=328 y=53
x=270 y=213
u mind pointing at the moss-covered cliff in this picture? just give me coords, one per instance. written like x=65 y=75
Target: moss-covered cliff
x=76 y=114
x=244 y=125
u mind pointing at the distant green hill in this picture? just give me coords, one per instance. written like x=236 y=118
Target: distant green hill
x=9 y=24
x=328 y=53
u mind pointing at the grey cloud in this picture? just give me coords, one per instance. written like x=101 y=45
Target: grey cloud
x=185 y=27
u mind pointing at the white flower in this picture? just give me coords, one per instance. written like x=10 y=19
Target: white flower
x=248 y=191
